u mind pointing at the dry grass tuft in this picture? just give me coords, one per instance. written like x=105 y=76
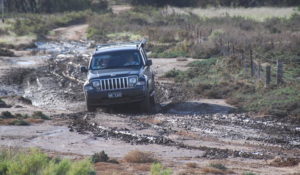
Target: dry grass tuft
x=137 y=156
x=187 y=134
x=142 y=167
x=191 y=165
x=284 y=162
x=212 y=170
x=217 y=168
x=151 y=120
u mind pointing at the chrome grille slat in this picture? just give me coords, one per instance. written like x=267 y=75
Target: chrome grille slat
x=114 y=83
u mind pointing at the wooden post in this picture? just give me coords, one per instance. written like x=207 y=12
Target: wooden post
x=268 y=76
x=259 y=70
x=279 y=73
x=228 y=48
x=251 y=63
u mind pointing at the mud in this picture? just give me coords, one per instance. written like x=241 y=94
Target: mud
x=51 y=81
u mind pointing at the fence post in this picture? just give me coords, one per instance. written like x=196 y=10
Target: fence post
x=279 y=73
x=259 y=70
x=268 y=76
x=251 y=63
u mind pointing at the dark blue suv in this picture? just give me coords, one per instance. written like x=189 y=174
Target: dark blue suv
x=119 y=73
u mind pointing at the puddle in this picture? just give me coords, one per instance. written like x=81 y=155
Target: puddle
x=61 y=47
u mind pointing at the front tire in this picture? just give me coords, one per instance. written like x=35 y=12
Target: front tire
x=146 y=105
x=90 y=108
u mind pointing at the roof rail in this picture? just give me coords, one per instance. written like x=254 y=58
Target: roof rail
x=143 y=43
x=139 y=44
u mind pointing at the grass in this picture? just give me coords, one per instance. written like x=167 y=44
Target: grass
x=257 y=13
x=139 y=157
x=35 y=162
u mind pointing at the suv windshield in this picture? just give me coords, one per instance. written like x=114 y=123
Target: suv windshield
x=116 y=59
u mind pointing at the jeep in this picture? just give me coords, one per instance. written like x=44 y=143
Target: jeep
x=119 y=73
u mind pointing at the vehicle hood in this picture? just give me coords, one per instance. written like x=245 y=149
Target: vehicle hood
x=110 y=73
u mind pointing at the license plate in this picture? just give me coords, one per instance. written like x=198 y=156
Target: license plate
x=114 y=94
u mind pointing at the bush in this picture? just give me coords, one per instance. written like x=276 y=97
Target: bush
x=6 y=52
x=6 y=115
x=218 y=166
x=173 y=73
x=99 y=157
x=40 y=115
x=19 y=122
x=158 y=169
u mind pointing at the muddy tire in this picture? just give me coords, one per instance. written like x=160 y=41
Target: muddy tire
x=146 y=105
x=90 y=108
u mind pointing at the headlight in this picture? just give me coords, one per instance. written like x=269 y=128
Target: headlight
x=88 y=88
x=132 y=80
x=96 y=83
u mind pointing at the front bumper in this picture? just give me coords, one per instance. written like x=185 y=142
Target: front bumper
x=96 y=97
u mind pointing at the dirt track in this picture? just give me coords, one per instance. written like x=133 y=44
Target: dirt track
x=183 y=129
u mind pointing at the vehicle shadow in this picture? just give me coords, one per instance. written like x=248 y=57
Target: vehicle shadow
x=182 y=108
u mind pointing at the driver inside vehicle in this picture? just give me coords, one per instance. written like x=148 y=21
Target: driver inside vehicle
x=131 y=60
x=103 y=63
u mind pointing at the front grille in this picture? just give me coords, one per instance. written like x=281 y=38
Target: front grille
x=114 y=83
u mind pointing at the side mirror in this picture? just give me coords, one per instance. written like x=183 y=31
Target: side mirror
x=83 y=69
x=149 y=63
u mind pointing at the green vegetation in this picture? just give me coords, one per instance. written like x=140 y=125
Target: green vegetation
x=249 y=173
x=224 y=78
x=218 y=166
x=19 y=119
x=35 y=162
x=40 y=25
x=40 y=115
x=99 y=157
x=205 y=3
x=158 y=169
x=46 y=6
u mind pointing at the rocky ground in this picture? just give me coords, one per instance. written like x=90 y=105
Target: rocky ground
x=182 y=129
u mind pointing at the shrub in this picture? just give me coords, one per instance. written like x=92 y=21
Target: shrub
x=139 y=157
x=158 y=169
x=99 y=157
x=218 y=166
x=172 y=73
x=40 y=115
x=60 y=168
x=6 y=114
x=6 y=52
x=19 y=122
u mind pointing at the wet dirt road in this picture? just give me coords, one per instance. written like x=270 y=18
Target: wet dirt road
x=184 y=128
